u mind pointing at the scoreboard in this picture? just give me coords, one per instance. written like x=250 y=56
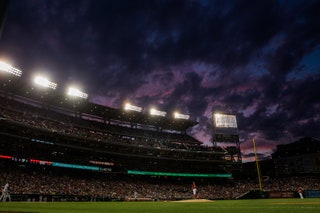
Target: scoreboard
x=226 y=138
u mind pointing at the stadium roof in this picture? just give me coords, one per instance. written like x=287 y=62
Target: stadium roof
x=23 y=88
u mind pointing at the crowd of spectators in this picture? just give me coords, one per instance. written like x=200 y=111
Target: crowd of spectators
x=103 y=136
x=50 y=182
x=47 y=182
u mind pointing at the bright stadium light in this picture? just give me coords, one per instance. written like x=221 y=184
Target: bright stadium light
x=10 y=69
x=181 y=116
x=157 y=112
x=77 y=93
x=128 y=106
x=44 y=82
x=225 y=121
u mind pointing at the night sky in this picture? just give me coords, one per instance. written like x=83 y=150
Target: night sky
x=257 y=59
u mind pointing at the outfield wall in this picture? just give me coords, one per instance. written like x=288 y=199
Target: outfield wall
x=294 y=194
x=312 y=194
x=59 y=198
x=255 y=194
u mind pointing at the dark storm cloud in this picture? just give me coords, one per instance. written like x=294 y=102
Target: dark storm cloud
x=190 y=87
x=303 y=107
x=242 y=57
x=300 y=36
x=143 y=35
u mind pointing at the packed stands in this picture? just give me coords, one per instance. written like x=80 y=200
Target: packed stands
x=30 y=182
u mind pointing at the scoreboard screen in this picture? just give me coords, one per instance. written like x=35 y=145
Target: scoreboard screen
x=224 y=121
x=226 y=138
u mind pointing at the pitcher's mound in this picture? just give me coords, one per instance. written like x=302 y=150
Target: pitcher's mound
x=194 y=200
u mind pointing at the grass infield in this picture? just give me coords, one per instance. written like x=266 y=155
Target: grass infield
x=203 y=206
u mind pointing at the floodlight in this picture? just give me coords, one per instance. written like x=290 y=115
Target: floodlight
x=45 y=82
x=128 y=106
x=157 y=112
x=225 y=121
x=77 y=93
x=181 y=116
x=9 y=69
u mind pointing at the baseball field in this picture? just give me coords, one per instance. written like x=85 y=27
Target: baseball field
x=186 y=206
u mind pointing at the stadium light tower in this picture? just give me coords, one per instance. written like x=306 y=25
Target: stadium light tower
x=153 y=111
x=77 y=93
x=9 y=69
x=225 y=130
x=181 y=116
x=44 y=82
x=130 y=107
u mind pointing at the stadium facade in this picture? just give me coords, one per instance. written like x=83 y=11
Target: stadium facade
x=298 y=158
